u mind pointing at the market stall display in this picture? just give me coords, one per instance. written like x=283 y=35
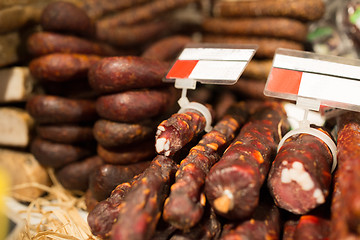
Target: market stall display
x=106 y=153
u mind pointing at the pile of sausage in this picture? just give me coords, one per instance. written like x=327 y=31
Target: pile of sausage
x=270 y=25
x=107 y=123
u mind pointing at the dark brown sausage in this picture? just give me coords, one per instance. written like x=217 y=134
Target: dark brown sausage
x=56 y=155
x=305 y=10
x=110 y=134
x=143 y=13
x=312 y=227
x=98 y=8
x=42 y=43
x=345 y=218
x=104 y=214
x=75 y=176
x=64 y=16
x=289 y=229
x=135 y=105
x=208 y=228
x=54 y=109
x=185 y=205
x=116 y=74
x=143 y=204
x=178 y=130
x=65 y=133
x=276 y=27
x=78 y=89
x=166 y=49
x=133 y=36
x=265 y=223
x=233 y=184
x=266 y=45
x=104 y=178
x=127 y=154
x=62 y=67
x=299 y=178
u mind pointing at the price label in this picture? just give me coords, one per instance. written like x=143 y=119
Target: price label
x=212 y=63
x=329 y=80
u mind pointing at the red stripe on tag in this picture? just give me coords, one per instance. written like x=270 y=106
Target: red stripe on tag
x=284 y=81
x=182 y=69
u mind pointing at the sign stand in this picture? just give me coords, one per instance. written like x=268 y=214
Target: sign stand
x=208 y=64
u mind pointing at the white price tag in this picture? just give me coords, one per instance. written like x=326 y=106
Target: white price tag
x=333 y=81
x=212 y=64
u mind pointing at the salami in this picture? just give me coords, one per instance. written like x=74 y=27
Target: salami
x=111 y=134
x=104 y=214
x=42 y=43
x=135 y=105
x=143 y=204
x=127 y=154
x=277 y=27
x=143 y=13
x=65 y=16
x=234 y=182
x=178 y=130
x=62 y=67
x=300 y=175
x=185 y=206
x=65 y=133
x=106 y=177
x=75 y=175
x=56 y=155
x=115 y=74
x=265 y=223
x=312 y=227
x=55 y=109
x=132 y=35
x=208 y=228
x=345 y=218
x=305 y=10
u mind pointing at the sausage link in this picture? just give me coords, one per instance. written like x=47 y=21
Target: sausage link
x=143 y=204
x=116 y=74
x=65 y=133
x=345 y=209
x=135 y=105
x=104 y=178
x=233 y=184
x=62 y=16
x=305 y=10
x=56 y=155
x=75 y=175
x=277 y=27
x=300 y=177
x=184 y=207
x=127 y=154
x=62 y=67
x=43 y=43
x=178 y=130
x=110 y=134
x=55 y=109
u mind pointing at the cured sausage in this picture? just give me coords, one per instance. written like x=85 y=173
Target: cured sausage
x=185 y=205
x=300 y=175
x=143 y=204
x=234 y=182
x=116 y=74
